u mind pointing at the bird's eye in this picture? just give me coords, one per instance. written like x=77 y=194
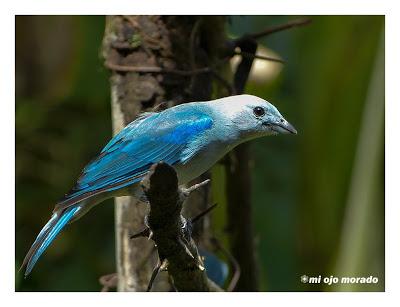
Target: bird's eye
x=259 y=111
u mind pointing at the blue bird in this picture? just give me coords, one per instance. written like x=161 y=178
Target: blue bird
x=191 y=137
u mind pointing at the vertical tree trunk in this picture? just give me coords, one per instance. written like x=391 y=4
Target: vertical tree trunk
x=238 y=189
x=133 y=46
x=239 y=217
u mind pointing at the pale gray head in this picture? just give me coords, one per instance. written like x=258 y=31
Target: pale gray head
x=253 y=116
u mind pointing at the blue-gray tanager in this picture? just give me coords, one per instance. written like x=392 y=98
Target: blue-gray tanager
x=191 y=137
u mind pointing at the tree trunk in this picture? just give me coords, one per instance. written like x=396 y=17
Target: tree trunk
x=238 y=189
x=154 y=60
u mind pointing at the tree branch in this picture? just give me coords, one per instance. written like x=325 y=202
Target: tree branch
x=172 y=232
x=257 y=56
x=278 y=28
x=155 y=69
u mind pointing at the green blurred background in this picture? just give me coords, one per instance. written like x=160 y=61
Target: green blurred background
x=318 y=197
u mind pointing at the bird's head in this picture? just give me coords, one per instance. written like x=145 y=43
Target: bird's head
x=254 y=117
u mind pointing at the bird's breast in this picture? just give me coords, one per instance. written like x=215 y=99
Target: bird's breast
x=201 y=162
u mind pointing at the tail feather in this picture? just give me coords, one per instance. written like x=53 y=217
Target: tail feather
x=43 y=233
x=47 y=235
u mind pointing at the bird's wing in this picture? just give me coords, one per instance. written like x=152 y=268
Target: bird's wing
x=127 y=157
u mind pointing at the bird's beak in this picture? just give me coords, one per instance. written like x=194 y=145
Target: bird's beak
x=284 y=127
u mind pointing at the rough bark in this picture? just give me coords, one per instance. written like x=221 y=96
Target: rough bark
x=171 y=43
x=177 y=250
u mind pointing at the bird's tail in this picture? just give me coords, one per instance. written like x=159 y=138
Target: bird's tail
x=48 y=233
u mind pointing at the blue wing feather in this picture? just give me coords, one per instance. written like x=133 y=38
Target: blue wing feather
x=149 y=139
